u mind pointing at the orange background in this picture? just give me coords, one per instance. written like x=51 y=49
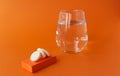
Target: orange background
x=26 y=25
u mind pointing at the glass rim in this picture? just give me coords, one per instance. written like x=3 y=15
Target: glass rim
x=74 y=10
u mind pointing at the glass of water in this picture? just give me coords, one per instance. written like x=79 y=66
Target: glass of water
x=71 y=33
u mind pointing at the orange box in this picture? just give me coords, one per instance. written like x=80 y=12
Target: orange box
x=35 y=66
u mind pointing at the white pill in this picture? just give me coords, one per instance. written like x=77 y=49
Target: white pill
x=42 y=52
x=35 y=56
x=48 y=54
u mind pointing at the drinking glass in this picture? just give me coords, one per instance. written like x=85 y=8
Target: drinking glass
x=71 y=33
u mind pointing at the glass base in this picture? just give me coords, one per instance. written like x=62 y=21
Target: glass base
x=73 y=52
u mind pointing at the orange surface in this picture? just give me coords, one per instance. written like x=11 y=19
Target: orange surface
x=28 y=24
x=36 y=66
